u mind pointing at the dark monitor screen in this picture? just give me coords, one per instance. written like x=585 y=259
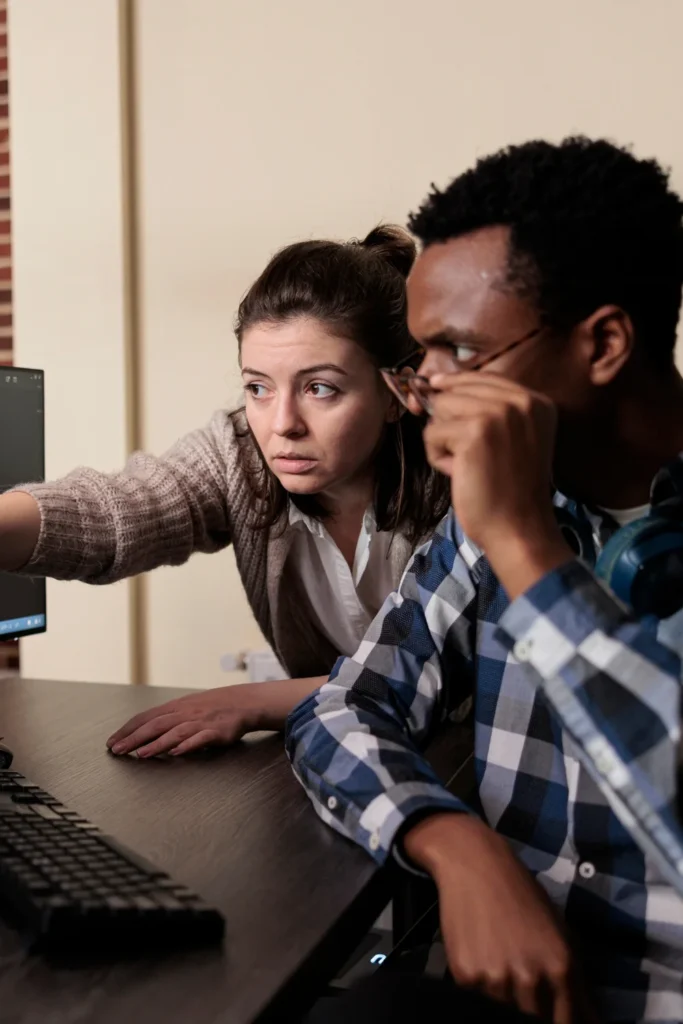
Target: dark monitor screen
x=22 y=459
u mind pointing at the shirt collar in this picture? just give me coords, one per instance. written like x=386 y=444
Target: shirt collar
x=317 y=528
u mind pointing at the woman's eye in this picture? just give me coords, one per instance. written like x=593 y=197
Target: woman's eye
x=256 y=390
x=319 y=390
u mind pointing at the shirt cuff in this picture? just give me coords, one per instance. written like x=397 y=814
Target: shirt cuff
x=559 y=616
x=379 y=824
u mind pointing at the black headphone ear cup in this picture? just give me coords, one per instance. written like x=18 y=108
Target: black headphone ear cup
x=577 y=534
x=642 y=564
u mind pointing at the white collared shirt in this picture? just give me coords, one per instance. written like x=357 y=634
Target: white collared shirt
x=345 y=599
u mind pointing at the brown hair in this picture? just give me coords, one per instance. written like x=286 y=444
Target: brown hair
x=357 y=289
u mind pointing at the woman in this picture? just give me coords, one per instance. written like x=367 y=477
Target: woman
x=318 y=482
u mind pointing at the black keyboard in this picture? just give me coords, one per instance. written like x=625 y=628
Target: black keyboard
x=70 y=887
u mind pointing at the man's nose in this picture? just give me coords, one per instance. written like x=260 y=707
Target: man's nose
x=436 y=361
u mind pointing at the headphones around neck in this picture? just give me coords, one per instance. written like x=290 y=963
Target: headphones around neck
x=642 y=563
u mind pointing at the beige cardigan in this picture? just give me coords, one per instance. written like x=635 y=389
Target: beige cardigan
x=100 y=528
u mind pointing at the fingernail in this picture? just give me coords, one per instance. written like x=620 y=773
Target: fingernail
x=118 y=748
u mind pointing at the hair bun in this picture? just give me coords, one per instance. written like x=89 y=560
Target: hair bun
x=394 y=245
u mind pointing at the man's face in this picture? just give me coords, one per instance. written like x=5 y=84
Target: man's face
x=460 y=308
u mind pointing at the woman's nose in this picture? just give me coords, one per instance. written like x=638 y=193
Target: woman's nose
x=288 y=419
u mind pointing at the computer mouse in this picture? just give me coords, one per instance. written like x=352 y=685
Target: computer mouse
x=6 y=756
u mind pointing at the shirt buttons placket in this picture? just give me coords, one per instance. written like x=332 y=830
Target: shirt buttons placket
x=587 y=870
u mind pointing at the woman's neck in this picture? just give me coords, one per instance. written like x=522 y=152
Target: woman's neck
x=347 y=505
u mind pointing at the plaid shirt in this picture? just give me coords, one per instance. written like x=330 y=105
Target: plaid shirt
x=576 y=709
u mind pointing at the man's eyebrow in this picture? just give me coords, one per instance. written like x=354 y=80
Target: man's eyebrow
x=305 y=372
x=451 y=336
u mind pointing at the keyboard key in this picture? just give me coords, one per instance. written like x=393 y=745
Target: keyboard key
x=75 y=888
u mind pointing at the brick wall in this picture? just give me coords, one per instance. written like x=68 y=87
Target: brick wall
x=5 y=213
x=9 y=652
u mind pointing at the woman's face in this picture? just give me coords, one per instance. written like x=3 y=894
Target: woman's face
x=315 y=404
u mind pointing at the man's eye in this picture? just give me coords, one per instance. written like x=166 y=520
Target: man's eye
x=256 y=390
x=319 y=390
x=464 y=353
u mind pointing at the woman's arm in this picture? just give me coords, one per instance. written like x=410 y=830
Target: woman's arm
x=100 y=527
x=212 y=718
x=19 y=529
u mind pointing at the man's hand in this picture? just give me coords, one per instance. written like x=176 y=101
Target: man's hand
x=211 y=718
x=496 y=440
x=501 y=934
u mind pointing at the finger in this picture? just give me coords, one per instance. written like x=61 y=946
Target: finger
x=479 y=379
x=131 y=725
x=498 y=988
x=563 y=1012
x=450 y=405
x=527 y=995
x=146 y=732
x=443 y=438
x=443 y=465
x=203 y=738
x=481 y=392
x=170 y=739
x=142 y=718
x=450 y=400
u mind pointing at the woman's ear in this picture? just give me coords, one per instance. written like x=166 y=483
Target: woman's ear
x=395 y=410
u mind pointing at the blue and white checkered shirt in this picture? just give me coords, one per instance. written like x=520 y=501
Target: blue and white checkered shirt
x=576 y=708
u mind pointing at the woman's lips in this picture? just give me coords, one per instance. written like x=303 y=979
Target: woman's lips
x=295 y=465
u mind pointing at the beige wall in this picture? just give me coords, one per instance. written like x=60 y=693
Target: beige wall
x=263 y=122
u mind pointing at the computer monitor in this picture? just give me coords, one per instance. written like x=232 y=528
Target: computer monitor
x=22 y=459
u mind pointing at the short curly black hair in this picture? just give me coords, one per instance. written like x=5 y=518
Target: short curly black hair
x=590 y=224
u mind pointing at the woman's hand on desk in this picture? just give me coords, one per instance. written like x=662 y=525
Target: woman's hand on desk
x=211 y=717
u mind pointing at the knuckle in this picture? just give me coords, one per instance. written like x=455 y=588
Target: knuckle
x=527 y=976
x=559 y=967
x=468 y=975
x=186 y=729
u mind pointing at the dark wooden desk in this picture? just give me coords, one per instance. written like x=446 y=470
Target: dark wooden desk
x=238 y=828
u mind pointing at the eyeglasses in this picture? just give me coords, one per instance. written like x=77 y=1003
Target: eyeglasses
x=404 y=382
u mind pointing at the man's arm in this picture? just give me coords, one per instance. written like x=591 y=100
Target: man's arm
x=355 y=747
x=616 y=690
x=614 y=686
x=354 y=744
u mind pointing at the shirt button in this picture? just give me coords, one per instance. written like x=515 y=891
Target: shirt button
x=374 y=841
x=587 y=870
x=522 y=650
x=605 y=763
x=332 y=803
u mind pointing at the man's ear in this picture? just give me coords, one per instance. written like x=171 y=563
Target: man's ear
x=609 y=338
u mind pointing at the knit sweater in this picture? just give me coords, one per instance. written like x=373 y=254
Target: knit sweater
x=100 y=528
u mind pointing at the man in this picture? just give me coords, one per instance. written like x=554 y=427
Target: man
x=546 y=299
